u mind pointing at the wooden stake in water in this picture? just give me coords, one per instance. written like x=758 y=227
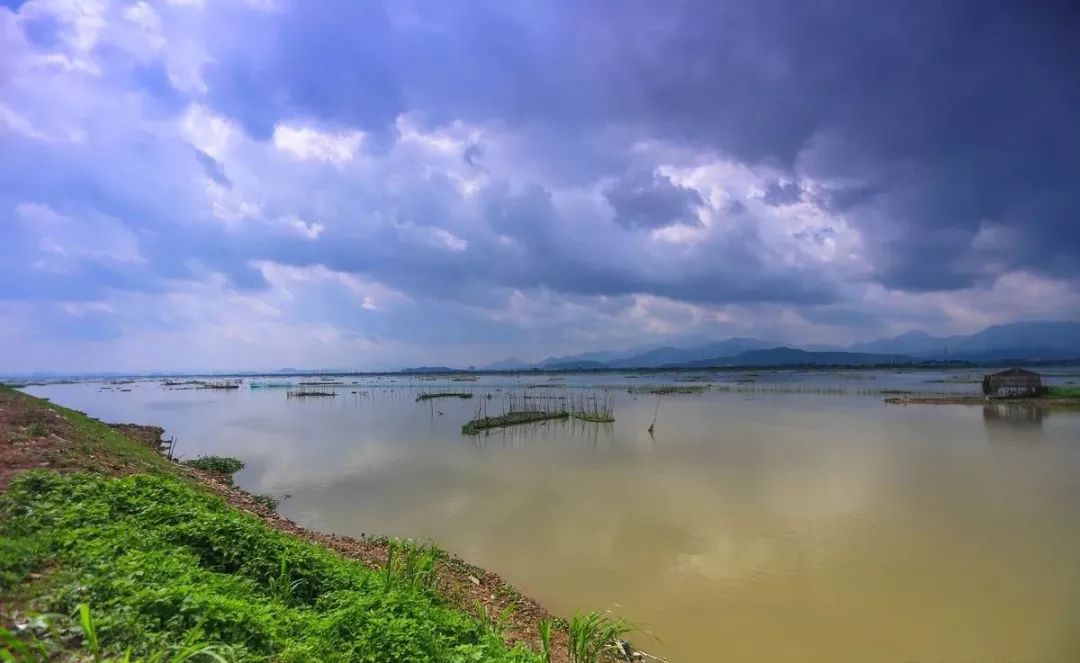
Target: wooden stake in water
x=656 y=412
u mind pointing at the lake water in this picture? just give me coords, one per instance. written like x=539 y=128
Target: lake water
x=751 y=526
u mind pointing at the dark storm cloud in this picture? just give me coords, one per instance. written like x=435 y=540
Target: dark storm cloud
x=651 y=200
x=328 y=60
x=945 y=114
x=954 y=114
x=733 y=267
x=782 y=193
x=817 y=235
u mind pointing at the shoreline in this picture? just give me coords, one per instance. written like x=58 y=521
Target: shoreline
x=1031 y=402
x=467 y=375
x=36 y=434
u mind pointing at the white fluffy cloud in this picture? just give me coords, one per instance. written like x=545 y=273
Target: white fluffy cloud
x=311 y=145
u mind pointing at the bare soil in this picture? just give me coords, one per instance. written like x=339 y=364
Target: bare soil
x=33 y=436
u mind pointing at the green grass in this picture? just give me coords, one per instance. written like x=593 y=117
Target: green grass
x=592 y=634
x=1063 y=392
x=216 y=464
x=164 y=565
x=545 y=639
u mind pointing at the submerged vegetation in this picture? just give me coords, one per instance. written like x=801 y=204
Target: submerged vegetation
x=271 y=385
x=307 y=392
x=510 y=419
x=229 y=384
x=426 y=396
x=670 y=389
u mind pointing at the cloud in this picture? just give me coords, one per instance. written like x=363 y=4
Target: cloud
x=809 y=172
x=308 y=144
x=208 y=132
x=310 y=230
x=63 y=242
x=782 y=193
x=651 y=200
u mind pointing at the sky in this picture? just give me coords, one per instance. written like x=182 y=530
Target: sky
x=258 y=184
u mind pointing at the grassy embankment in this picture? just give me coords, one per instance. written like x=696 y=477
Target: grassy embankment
x=138 y=560
x=1063 y=397
x=163 y=565
x=1064 y=392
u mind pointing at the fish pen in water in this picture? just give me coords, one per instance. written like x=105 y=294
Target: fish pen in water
x=429 y=395
x=516 y=409
x=307 y=392
x=594 y=408
x=227 y=384
x=522 y=408
x=670 y=389
x=270 y=385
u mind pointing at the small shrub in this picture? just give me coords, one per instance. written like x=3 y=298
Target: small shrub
x=268 y=501
x=216 y=464
x=36 y=429
x=410 y=564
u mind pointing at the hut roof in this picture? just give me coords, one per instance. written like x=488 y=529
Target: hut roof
x=1015 y=372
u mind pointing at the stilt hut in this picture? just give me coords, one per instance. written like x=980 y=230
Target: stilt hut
x=1012 y=382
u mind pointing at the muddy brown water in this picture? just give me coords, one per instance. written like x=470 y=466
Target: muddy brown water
x=749 y=527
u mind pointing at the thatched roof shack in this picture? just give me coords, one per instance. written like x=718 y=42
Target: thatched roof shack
x=1012 y=382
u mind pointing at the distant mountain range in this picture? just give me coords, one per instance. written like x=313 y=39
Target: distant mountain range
x=784 y=356
x=1016 y=343
x=1020 y=341
x=431 y=370
x=1033 y=340
x=511 y=364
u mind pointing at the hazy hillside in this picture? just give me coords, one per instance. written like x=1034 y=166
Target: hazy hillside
x=1020 y=340
x=1034 y=340
x=509 y=364
x=784 y=356
x=669 y=355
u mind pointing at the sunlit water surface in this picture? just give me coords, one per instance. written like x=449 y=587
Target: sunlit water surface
x=748 y=527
